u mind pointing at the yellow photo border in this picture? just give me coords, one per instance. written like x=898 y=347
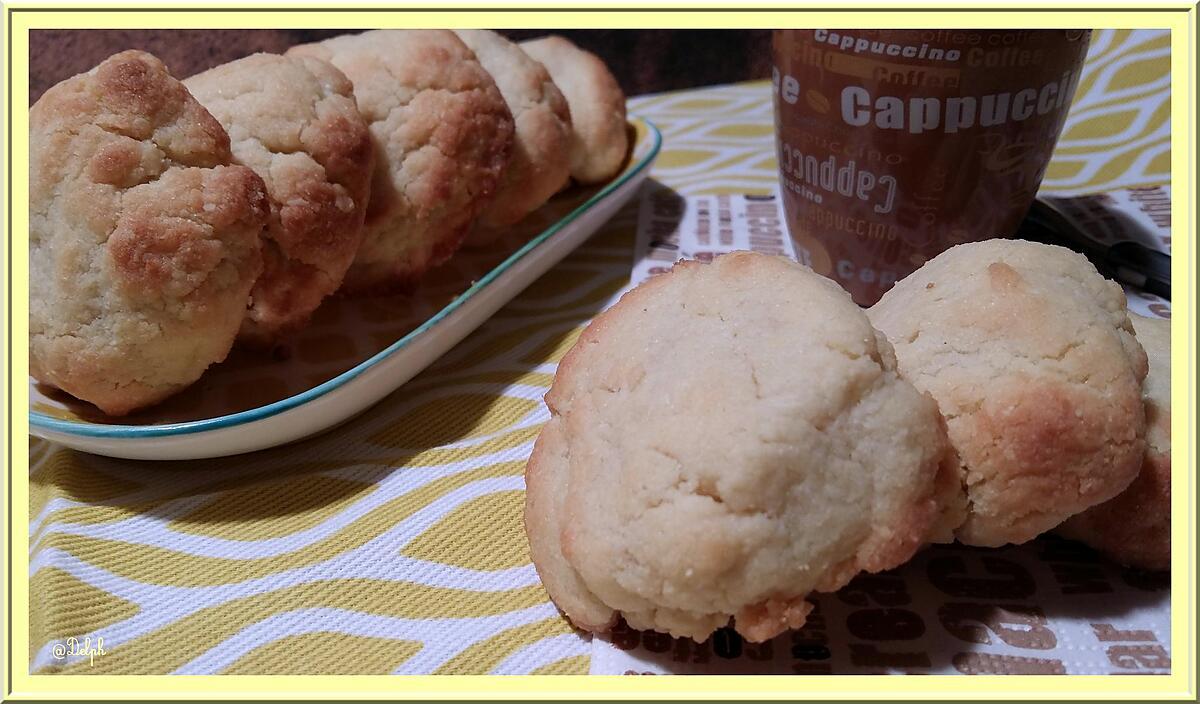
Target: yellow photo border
x=1179 y=17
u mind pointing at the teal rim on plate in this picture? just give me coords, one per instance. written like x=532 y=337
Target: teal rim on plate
x=96 y=430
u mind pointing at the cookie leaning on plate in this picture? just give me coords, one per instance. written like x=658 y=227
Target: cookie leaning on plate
x=442 y=136
x=726 y=439
x=1032 y=359
x=294 y=121
x=599 y=138
x=540 y=163
x=1135 y=528
x=143 y=242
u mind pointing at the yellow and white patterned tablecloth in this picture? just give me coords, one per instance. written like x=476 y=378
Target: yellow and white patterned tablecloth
x=394 y=544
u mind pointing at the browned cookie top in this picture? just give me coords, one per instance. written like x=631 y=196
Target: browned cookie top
x=294 y=121
x=1031 y=357
x=442 y=135
x=142 y=245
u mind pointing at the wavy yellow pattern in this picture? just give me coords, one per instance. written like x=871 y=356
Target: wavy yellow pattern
x=167 y=567
x=301 y=503
x=482 y=657
x=483 y=534
x=575 y=665
x=325 y=653
x=165 y=650
x=452 y=419
x=63 y=474
x=454 y=455
x=77 y=609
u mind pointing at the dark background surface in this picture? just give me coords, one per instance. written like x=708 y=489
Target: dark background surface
x=644 y=61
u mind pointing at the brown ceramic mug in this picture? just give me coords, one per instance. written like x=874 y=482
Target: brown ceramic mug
x=894 y=145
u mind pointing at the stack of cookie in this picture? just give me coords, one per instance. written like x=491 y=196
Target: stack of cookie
x=169 y=219
x=730 y=437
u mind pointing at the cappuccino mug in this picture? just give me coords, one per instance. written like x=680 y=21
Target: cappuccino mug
x=894 y=145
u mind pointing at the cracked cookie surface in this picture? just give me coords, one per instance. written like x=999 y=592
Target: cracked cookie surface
x=442 y=135
x=726 y=439
x=541 y=161
x=1032 y=359
x=294 y=121
x=143 y=243
x=1134 y=528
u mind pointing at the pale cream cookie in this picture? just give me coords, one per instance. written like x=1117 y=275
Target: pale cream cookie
x=725 y=440
x=600 y=140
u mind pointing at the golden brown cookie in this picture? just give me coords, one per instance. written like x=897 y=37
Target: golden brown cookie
x=143 y=244
x=541 y=160
x=600 y=140
x=1031 y=357
x=442 y=136
x=1135 y=528
x=726 y=439
x=294 y=121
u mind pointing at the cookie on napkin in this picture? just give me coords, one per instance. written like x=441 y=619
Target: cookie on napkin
x=1033 y=362
x=725 y=440
x=1135 y=528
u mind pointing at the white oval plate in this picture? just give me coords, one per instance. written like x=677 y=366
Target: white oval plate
x=355 y=351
